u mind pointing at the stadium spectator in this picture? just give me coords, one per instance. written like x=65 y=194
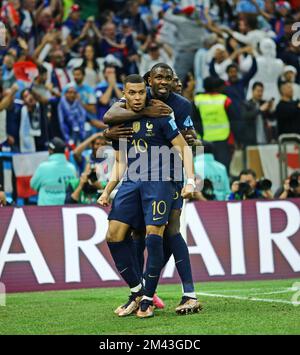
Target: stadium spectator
x=8 y=76
x=74 y=30
x=136 y=20
x=248 y=7
x=222 y=60
x=236 y=88
x=287 y=111
x=92 y=66
x=51 y=177
x=247 y=187
x=108 y=91
x=257 y=116
x=212 y=114
x=189 y=38
x=40 y=85
x=28 y=27
x=57 y=71
x=290 y=188
x=202 y=60
x=72 y=116
x=131 y=57
x=86 y=97
x=248 y=32
x=289 y=75
x=6 y=99
x=269 y=70
x=115 y=44
x=155 y=54
x=44 y=21
x=214 y=171
x=33 y=132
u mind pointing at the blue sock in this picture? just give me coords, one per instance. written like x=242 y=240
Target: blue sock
x=155 y=260
x=180 y=251
x=167 y=251
x=139 y=247
x=124 y=261
x=131 y=244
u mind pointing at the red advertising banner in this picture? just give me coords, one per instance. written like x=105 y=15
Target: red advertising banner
x=55 y=248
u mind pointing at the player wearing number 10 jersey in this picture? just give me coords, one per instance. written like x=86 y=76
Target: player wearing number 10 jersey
x=141 y=199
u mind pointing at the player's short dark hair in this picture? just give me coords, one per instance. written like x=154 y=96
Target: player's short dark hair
x=79 y=68
x=134 y=79
x=230 y=66
x=162 y=66
x=212 y=84
x=281 y=84
x=257 y=84
x=248 y=172
x=23 y=92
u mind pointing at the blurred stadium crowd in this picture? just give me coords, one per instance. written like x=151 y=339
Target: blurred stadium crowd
x=236 y=59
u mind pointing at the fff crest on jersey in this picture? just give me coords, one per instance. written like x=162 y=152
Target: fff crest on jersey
x=136 y=126
x=149 y=127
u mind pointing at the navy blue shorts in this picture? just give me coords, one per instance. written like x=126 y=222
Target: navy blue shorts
x=143 y=203
x=177 y=199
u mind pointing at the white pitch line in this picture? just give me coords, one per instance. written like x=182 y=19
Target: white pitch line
x=281 y=289
x=248 y=298
x=275 y=292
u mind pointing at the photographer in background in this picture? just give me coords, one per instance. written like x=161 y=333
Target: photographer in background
x=85 y=190
x=291 y=187
x=96 y=171
x=247 y=187
x=95 y=142
x=205 y=192
x=215 y=173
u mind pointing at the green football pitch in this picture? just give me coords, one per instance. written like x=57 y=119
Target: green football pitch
x=250 y=307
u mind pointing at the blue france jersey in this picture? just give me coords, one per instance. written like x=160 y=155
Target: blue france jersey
x=150 y=134
x=182 y=109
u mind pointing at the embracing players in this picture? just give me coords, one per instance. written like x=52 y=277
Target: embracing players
x=164 y=102
x=146 y=194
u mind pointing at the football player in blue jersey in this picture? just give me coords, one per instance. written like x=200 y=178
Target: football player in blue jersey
x=147 y=193
x=160 y=96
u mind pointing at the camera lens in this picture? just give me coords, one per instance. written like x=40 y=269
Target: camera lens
x=294 y=183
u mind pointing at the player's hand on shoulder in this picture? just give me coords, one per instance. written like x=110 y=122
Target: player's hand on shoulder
x=103 y=200
x=157 y=109
x=119 y=131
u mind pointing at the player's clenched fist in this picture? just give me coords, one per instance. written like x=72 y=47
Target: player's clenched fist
x=103 y=200
x=187 y=191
